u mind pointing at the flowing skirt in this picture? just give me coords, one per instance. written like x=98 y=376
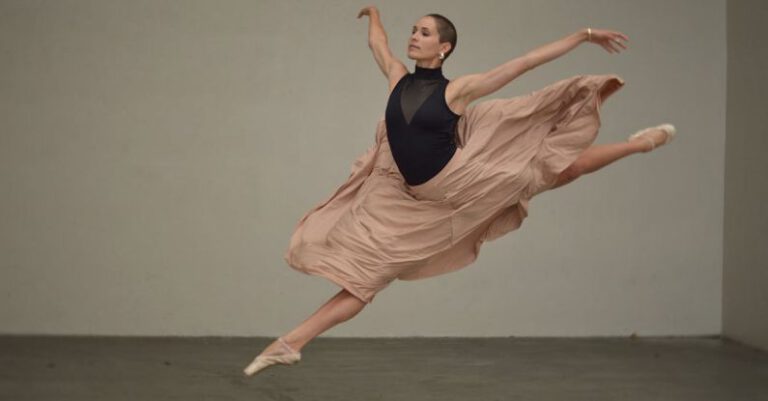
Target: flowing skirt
x=376 y=228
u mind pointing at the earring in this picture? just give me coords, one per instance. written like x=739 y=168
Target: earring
x=442 y=55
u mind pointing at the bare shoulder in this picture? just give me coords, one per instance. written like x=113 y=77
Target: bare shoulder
x=457 y=92
x=396 y=72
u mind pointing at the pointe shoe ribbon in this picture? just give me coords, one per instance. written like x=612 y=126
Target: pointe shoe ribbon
x=263 y=361
x=669 y=129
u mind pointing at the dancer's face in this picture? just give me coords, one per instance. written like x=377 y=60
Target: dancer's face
x=424 y=43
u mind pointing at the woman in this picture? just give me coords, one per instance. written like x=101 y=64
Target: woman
x=443 y=177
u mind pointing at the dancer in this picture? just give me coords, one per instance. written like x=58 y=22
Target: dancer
x=443 y=177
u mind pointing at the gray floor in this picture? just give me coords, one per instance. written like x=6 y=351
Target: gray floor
x=132 y=368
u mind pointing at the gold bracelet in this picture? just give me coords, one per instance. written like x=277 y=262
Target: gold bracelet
x=589 y=31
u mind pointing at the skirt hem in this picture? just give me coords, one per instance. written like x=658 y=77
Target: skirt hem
x=344 y=284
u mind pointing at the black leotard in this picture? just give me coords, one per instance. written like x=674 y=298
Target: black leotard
x=420 y=126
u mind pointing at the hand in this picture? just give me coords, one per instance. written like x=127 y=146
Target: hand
x=367 y=10
x=608 y=39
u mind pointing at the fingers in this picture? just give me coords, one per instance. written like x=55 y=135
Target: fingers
x=618 y=41
x=605 y=44
x=613 y=40
x=618 y=37
x=364 y=11
x=609 y=46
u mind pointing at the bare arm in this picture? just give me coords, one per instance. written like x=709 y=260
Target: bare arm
x=377 y=42
x=551 y=51
x=479 y=85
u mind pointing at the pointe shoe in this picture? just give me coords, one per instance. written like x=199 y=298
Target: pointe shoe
x=669 y=129
x=288 y=357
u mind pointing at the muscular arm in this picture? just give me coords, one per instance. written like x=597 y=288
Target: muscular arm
x=479 y=85
x=553 y=50
x=377 y=42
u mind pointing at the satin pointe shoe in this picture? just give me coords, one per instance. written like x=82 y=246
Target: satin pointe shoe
x=643 y=134
x=287 y=356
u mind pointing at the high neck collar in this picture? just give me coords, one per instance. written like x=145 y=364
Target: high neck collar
x=428 y=73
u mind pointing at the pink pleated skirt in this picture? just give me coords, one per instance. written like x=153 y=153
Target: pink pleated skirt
x=375 y=228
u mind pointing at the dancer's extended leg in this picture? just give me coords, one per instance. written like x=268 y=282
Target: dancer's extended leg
x=340 y=308
x=599 y=156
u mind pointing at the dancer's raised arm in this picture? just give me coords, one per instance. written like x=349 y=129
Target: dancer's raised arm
x=377 y=41
x=475 y=86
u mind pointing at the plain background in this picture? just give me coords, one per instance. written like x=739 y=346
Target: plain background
x=156 y=155
x=745 y=267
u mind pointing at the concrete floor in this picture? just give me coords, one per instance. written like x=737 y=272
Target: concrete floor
x=514 y=368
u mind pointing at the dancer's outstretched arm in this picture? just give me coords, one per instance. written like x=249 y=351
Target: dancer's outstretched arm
x=474 y=86
x=392 y=68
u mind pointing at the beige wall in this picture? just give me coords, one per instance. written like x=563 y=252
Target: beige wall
x=155 y=157
x=745 y=270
